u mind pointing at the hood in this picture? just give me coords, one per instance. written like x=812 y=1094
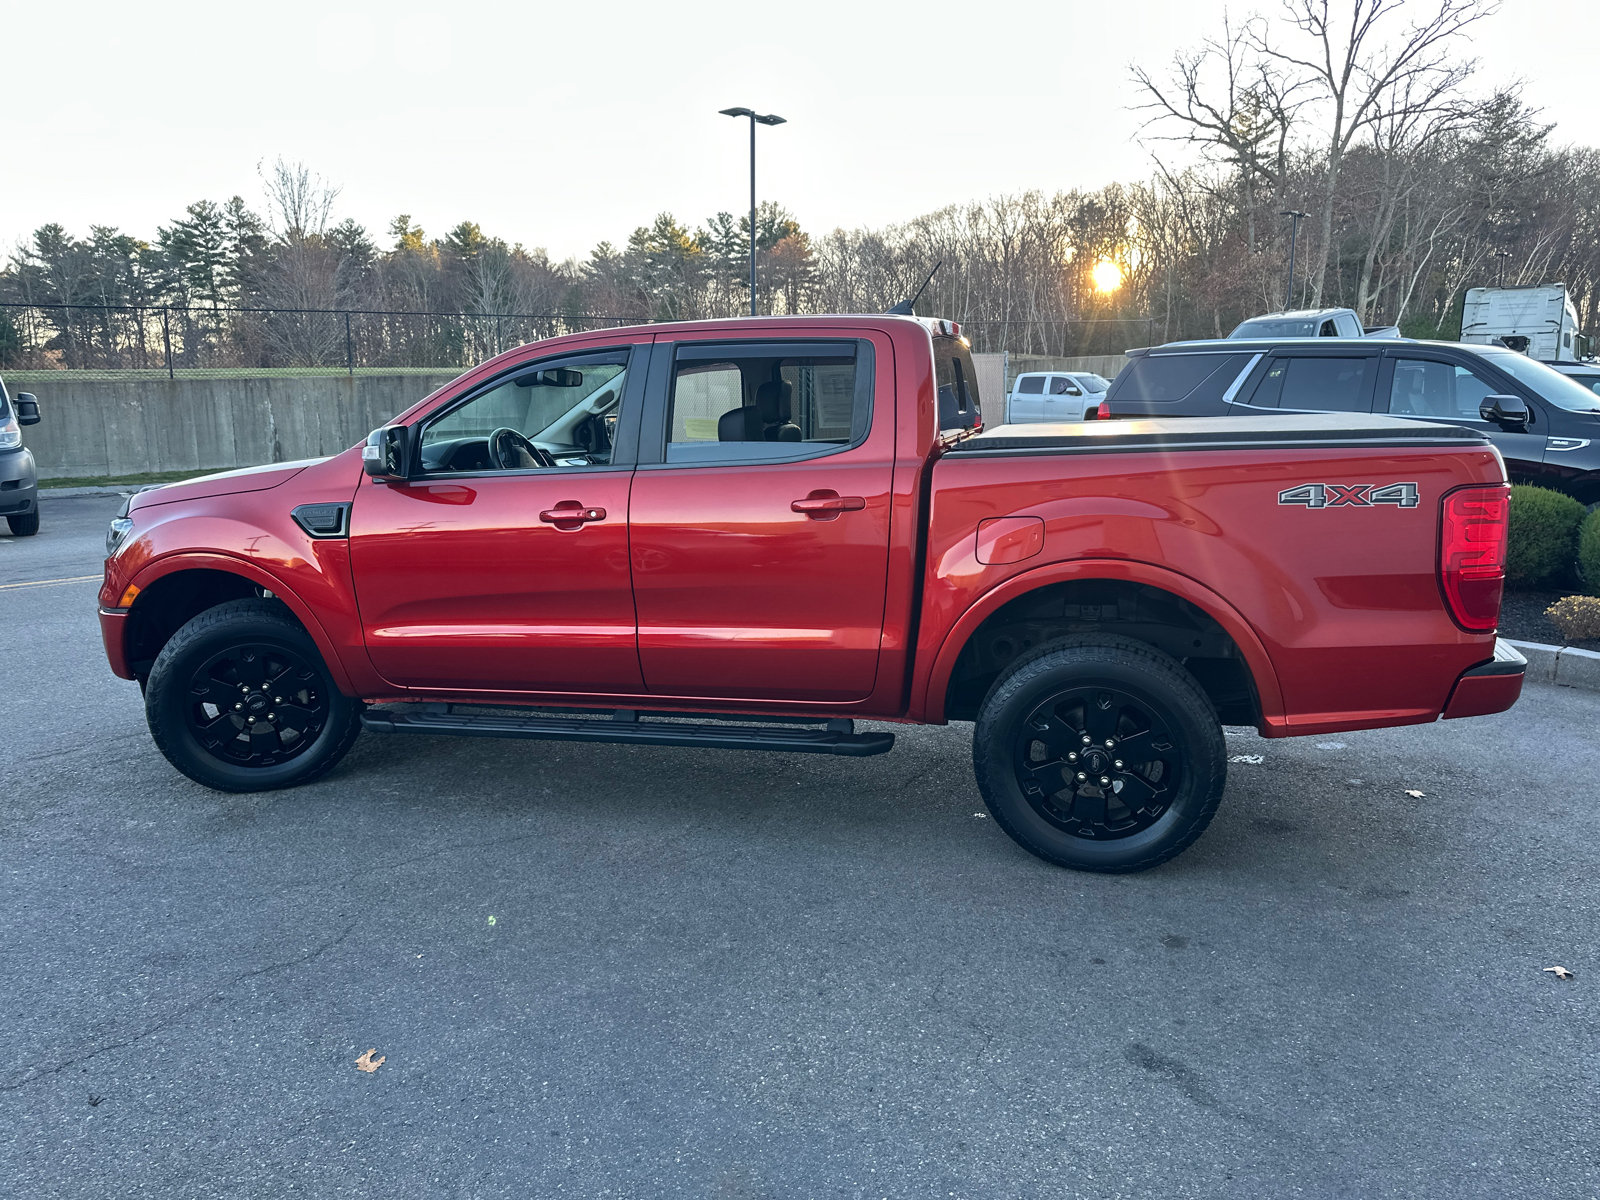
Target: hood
x=224 y=483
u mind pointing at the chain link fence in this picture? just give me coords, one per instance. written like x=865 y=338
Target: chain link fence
x=173 y=342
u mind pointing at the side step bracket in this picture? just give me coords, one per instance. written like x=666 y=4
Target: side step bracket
x=625 y=726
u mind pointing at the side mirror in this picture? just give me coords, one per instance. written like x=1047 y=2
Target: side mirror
x=387 y=454
x=27 y=406
x=1508 y=412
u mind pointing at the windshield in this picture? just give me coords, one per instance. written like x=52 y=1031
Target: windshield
x=1277 y=329
x=1093 y=383
x=1548 y=383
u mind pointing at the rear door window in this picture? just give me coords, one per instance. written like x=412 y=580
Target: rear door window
x=1323 y=383
x=1031 y=385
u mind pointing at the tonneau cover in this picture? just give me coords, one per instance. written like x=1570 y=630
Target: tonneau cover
x=1217 y=433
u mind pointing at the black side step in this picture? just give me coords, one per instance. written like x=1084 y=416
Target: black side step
x=838 y=738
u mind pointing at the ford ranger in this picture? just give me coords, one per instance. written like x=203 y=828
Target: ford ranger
x=751 y=534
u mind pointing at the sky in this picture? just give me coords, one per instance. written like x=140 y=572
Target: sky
x=559 y=126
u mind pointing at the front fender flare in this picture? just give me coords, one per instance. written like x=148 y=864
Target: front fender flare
x=171 y=564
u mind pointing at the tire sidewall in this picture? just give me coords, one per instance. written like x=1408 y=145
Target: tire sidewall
x=166 y=702
x=1162 y=685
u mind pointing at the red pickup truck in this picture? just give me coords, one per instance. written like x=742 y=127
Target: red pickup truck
x=749 y=534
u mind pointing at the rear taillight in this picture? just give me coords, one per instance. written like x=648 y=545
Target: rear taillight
x=1472 y=554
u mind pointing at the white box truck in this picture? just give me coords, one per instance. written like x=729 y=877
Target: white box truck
x=1541 y=322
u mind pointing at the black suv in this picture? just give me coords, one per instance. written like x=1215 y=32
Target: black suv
x=1546 y=425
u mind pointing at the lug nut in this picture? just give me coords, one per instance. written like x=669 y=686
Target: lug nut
x=1081 y=776
x=1087 y=739
x=1110 y=743
x=252 y=720
x=1117 y=764
x=237 y=707
x=1105 y=779
x=1073 y=757
x=272 y=716
x=277 y=699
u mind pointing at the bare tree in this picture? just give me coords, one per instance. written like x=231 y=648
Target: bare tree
x=1360 y=76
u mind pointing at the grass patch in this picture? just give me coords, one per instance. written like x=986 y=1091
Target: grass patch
x=127 y=480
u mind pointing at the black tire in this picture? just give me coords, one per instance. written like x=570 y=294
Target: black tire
x=24 y=524
x=1163 y=787
x=255 y=654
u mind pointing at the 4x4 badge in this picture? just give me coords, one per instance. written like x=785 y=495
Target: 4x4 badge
x=1351 y=495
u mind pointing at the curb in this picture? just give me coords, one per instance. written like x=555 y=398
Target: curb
x=67 y=493
x=1566 y=666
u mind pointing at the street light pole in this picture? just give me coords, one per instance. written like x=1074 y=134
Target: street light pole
x=764 y=119
x=1294 y=230
x=1500 y=267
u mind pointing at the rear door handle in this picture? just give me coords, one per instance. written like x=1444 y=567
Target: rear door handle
x=825 y=504
x=570 y=515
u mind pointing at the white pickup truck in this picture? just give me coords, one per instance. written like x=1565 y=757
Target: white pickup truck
x=1053 y=396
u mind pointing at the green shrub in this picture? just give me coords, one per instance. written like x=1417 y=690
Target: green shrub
x=1543 y=536
x=1589 y=552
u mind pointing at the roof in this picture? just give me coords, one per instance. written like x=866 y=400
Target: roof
x=1303 y=314
x=1252 y=345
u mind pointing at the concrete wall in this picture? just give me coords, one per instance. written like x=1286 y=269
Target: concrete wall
x=110 y=428
x=129 y=427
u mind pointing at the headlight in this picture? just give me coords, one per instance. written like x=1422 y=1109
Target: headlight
x=121 y=527
x=10 y=434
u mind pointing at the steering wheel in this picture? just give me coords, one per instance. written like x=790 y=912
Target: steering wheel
x=510 y=451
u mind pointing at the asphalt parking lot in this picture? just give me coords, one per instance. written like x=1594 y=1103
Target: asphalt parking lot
x=609 y=971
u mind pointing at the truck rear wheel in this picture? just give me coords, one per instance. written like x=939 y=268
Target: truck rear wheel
x=241 y=701
x=1100 y=754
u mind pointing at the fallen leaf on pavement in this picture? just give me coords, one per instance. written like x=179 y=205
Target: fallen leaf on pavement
x=1248 y=758
x=1414 y=794
x=1559 y=972
x=981 y=816
x=369 y=1064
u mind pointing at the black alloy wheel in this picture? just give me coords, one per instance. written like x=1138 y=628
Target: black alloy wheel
x=256 y=705
x=240 y=700
x=1097 y=762
x=1100 y=754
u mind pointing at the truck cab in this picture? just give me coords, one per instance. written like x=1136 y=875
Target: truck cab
x=1539 y=321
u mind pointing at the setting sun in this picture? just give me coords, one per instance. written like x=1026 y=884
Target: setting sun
x=1107 y=276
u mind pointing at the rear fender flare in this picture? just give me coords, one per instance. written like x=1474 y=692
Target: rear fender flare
x=930 y=701
x=245 y=569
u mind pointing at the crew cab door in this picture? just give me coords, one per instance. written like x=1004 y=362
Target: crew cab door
x=760 y=517
x=503 y=570
x=1063 y=399
x=1027 y=399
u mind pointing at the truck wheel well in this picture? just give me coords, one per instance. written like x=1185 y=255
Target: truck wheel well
x=170 y=603
x=1111 y=606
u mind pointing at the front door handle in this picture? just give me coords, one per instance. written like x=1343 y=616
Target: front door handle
x=569 y=515
x=825 y=504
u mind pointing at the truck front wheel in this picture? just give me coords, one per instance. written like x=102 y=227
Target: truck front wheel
x=241 y=701
x=1100 y=754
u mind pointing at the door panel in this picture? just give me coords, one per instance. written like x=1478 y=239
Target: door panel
x=766 y=579
x=463 y=586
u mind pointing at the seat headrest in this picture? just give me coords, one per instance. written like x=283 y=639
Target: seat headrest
x=740 y=425
x=772 y=398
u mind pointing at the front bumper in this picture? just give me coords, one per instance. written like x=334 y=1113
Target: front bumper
x=19 y=483
x=1489 y=687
